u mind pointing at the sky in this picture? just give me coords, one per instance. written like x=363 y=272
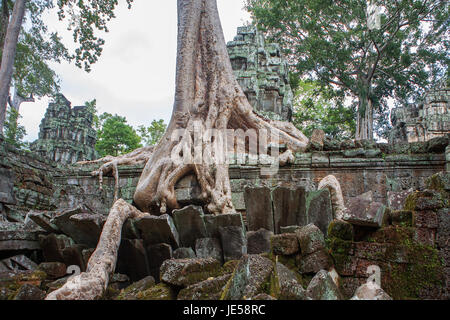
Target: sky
x=135 y=75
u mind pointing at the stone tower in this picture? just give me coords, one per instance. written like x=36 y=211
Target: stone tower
x=430 y=118
x=66 y=134
x=262 y=73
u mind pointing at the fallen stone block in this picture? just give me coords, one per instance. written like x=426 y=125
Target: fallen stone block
x=156 y=255
x=310 y=238
x=285 y=244
x=322 y=287
x=319 y=209
x=210 y=289
x=184 y=253
x=396 y=200
x=288 y=283
x=53 y=270
x=249 y=278
x=43 y=220
x=132 y=259
x=258 y=241
x=29 y=292
x=314 y=262
x=18 y=263
x=158 y=229
x=189 y=224
x=341 y=230
x=365 y=213
x=209 y=248
x=185 y=272
x=258 y=206
x=214 y=222
x=289 y=207
x=234 y=242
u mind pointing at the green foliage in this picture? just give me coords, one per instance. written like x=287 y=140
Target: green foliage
x=329 y=41
x=115 y=137
x=316 y=108
x=13 y=131
x=151 y=135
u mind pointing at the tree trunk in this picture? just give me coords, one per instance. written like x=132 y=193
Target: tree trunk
x=207 y=97
x=364 y=121
x=9 y=53
x=4 y=21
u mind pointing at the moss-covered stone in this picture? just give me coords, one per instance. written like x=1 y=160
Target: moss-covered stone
x=159 y=292
x=341 y=230
x=401 y=218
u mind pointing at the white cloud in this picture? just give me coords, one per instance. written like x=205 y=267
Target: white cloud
x=135 y=76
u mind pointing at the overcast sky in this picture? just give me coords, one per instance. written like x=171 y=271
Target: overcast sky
x=135 y=76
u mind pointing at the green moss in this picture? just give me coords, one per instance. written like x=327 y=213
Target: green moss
x=159 y=292
x=340 y=229
x=425 y=272
x=411 y=200
x=339 y=246
x=229 y=267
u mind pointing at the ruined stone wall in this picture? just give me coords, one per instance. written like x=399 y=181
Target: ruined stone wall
x=379 y=168
x=26 y=182
x=262 y=73
x=66 y=134
x=428 y=119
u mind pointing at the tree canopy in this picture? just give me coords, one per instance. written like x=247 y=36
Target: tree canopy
x=330 y=41
x=152 y=134
x=115 y=137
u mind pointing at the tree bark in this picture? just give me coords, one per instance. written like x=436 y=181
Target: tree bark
x=91 y=285
x=4 y=21
x=9 y=53
x=364 y=121
x=207 y=97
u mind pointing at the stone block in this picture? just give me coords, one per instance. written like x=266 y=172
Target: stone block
x=186 y=272
x=157 y=254
x=289 y=207
x=132 y=259
x=258 y=241
x=365 y=213
x=285 y=244
x=396 y=200
x=190 y=225
x=214 y=222
x=314 y=262
x=234 y=242
x=319 y=209
x=322 y=287
x=310 y=238
x=259 y=211
x=158 y=229
x=209 y=248
x=184 y=253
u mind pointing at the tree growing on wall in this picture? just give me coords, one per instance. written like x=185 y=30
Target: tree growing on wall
x=207 y=97
x=333 y=43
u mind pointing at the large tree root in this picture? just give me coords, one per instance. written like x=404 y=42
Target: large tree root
x=337 y=199
x=111 y=163
x=91 y=285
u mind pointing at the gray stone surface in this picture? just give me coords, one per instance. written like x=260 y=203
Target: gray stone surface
x=214 y=222
x=209 y=248
x=396 y=200
x=319 y=209
x=314 y=262
x=132 y=259
x=289 y=207
x=7 y=186
x=310 y=238
x=322 y=287
x=158 y=229
x=17 y=263
x=365 y=213
x=234 y=242
x=190 y=225
x=259 y=211
x=262 y=73
x=184 y=253
x=284 y=244
x=258 y=241
x=42 y=219
x=210 y=289
x=157 y=254
x=185 y=272
x=289 y=286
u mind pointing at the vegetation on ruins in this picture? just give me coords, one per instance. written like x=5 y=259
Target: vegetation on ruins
x=151 y=135
x=28 y=46
x=315 y=108
x=332 y=43
x=115 y=137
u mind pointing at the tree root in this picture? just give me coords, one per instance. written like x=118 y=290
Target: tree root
x=110 y=164
x=337 y=199
x=91 y=285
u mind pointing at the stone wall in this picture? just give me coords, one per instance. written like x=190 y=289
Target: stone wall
x=66 y=134
x=423 y=121
x=262 y=73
